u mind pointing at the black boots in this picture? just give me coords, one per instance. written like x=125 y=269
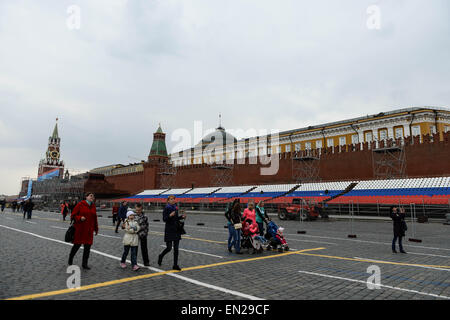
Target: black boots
x=159 y=260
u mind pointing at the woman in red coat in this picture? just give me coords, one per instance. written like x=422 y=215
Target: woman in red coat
x=85 y=222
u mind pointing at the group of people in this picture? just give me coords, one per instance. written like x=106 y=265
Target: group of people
x=249 y=227
x=26 y=207
x=135 y=225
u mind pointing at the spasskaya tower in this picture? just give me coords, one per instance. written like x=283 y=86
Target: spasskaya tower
x=51 y=166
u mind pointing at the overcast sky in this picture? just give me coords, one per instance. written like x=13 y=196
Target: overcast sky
x=261 y=64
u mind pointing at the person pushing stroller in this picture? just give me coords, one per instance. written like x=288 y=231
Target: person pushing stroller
x=276 y=238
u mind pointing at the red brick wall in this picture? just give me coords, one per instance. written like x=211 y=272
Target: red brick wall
x=423 y=160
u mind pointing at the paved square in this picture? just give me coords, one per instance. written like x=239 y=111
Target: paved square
x=321 y=264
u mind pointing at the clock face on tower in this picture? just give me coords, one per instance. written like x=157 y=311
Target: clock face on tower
x=54 y=154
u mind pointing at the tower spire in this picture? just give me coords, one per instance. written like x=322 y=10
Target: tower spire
x=220 y=122
x=55 y=130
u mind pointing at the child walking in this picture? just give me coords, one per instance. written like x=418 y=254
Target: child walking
x=130 y=240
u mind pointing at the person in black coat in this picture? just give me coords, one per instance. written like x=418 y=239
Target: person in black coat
x=122 y=215
x=28 y=208
x=398 y=218
x=172 y=231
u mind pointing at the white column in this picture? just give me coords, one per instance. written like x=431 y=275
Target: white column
x=390 y=133
x=406 y=132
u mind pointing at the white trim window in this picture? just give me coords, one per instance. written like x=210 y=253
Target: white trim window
x=398 y=133
x=368 y=136
x=433 y=129
x=415 y=130
x=288 y=148
x=342 y=141
x=355 y=139
x=307 y=145
x=297 y=147
x=318 y=144
x=330 y=142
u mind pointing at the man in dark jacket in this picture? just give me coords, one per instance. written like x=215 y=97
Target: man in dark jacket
x=122 y=214
x=172 y=232
x=398 y=217
x=28 y=208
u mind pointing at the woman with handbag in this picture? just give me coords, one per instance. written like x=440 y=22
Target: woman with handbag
x=84 y=216
x=233 y=216
x=172 y=231
x=398 y=218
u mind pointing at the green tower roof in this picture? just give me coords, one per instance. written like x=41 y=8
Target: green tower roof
x=158 y=145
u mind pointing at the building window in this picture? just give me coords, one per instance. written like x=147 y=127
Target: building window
x=341 y=141
x=330 y=142
x=297 y=147
x=319 y=144
x=432 y=129
x=355 y=139
x=398 y=133
x=383 y=134
x=307 y=145
x=368 y=136
x=446 y=129
x=288 y=148
x=415 y=130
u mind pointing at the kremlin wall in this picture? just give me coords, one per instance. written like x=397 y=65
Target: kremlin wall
x=427 y=158
x=403 y=143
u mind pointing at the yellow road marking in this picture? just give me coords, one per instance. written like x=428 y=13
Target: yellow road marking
x=91 y=286
x=378 y=261
x=146 y=276
x=249 y=259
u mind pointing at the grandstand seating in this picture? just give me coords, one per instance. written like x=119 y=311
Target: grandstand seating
x=405 y=191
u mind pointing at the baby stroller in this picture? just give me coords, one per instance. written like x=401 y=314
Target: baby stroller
x=248 y=242
x=275 y=236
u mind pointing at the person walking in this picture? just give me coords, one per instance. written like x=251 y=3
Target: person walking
x=64 y=209
x=72 y=206
x=261 y=216
x=115 y=212
x=85 y=222
x=398 y=218
x=122 y=215
x=233 y=215
x=3 y=204
x=28 y=208
x=142 y=221
x=172 y=232
x=130 y=240
x=14 y=205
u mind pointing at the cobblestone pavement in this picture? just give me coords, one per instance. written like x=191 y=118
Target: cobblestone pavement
x=323 y=263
